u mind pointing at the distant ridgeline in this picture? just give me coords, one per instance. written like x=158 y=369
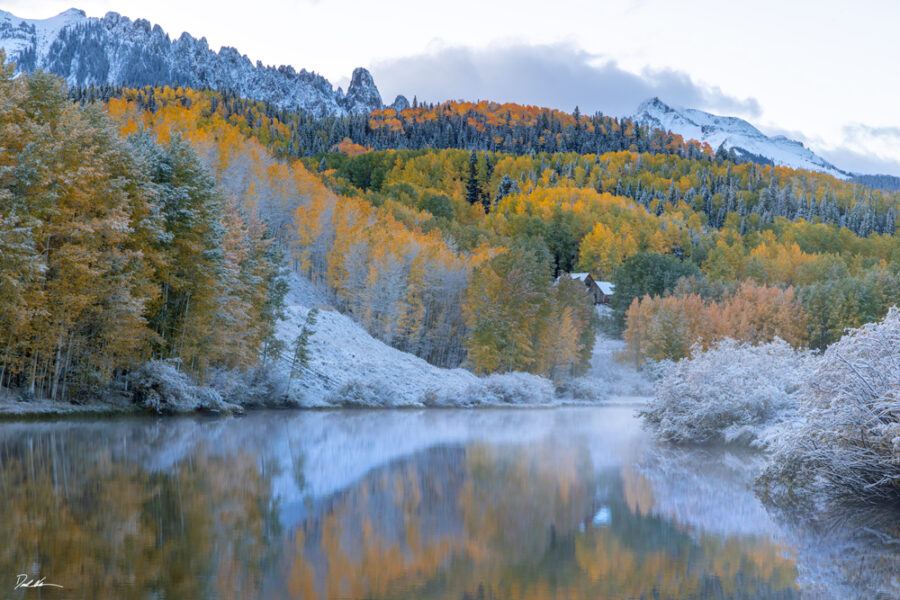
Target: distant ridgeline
x=665 y=171
x=473 y=126
x=881 y=182
x=114 y=50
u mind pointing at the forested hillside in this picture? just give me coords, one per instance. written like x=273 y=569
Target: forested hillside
x=491 y=306
x=584 y=149
x=820 y=248
x=117 y=250
x=451 y=254
x=779 y=268
x=479 y=126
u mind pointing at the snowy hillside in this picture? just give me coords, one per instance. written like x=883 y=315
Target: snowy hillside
x=747 y=141
x=116 y=50
x=348 y=367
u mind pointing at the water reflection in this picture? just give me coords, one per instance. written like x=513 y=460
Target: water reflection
x=572 y=503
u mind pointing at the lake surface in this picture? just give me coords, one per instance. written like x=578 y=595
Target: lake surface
x=486 y=504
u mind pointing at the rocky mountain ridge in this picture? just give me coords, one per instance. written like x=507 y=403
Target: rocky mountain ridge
x=118 y=51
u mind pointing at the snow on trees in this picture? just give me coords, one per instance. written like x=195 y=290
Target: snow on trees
x=732 y=392
x=848 y=440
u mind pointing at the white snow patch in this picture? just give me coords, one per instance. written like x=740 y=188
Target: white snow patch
x=608 y=379
x=732 y=133
x=348 y=367
x=17 y=34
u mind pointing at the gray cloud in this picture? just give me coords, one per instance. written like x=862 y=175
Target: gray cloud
x=558 y=76
x=867 y=149
x=563 y=76
x=863 y=149
x=860 y=162
x=861 y=131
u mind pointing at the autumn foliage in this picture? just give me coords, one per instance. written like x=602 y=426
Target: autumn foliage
x=668 y=327
x=118 y=249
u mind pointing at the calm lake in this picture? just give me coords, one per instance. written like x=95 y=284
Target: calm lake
x=480 y=504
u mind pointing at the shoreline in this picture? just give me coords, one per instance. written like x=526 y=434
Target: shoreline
x=14 y=410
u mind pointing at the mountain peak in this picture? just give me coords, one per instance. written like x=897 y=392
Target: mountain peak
x=362 y=95
x=653 y=104
x=400 y=103
x=732 y=133
x=73 y=12
x=119 y=51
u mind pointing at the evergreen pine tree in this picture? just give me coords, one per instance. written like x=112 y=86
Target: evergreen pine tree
x=300 y=358
x=473 y=194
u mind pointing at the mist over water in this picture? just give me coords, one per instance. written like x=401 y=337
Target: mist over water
x=571 y=502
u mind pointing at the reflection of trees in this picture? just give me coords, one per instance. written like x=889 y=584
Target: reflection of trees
x=515 y=522
x=389 y=529
x=107 y=528
x=846 y=552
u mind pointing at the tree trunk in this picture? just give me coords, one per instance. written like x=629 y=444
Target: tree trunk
x=33 y=374
x=57 y=366
x=6 y=358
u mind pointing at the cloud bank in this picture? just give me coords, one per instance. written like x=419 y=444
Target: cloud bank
x=558 y=76
x=564 y=76
x=862 y=148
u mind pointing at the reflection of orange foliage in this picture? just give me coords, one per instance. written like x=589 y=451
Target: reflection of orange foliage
x=521 y=538
x=638 y=491
x=361 y=558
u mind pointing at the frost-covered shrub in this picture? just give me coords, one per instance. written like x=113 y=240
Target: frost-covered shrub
x=501 y=390
x=363 y=393
x=848 y=442
x=260 y=387
x=506 y=389
x=159 y=386
x=731 y=392
x=512 y=388
x=582 y=389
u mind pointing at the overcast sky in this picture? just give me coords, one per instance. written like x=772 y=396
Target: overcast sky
x=821 y=71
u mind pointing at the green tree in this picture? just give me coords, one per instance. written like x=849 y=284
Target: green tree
x=192 y=273
x=646 y=273
x=473 y=189
x=300 y=347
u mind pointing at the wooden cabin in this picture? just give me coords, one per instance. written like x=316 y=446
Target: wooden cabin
x=600 y=291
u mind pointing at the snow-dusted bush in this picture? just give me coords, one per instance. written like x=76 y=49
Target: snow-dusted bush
x=260 y=387
x=364 y=393
x=583 y=389
x=159 y=386
x=732 y=392
x=848 y=442
x=508 y=389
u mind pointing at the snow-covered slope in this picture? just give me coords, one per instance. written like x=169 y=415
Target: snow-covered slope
x=18 y=36
x=116 y=50
x=746 y=140
x=348 y=367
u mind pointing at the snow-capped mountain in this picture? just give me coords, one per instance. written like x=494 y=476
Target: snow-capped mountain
x=116 y=50
x=735 y=134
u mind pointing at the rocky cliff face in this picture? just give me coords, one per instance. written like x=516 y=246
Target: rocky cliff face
x=116 y=50
x=362 y=95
